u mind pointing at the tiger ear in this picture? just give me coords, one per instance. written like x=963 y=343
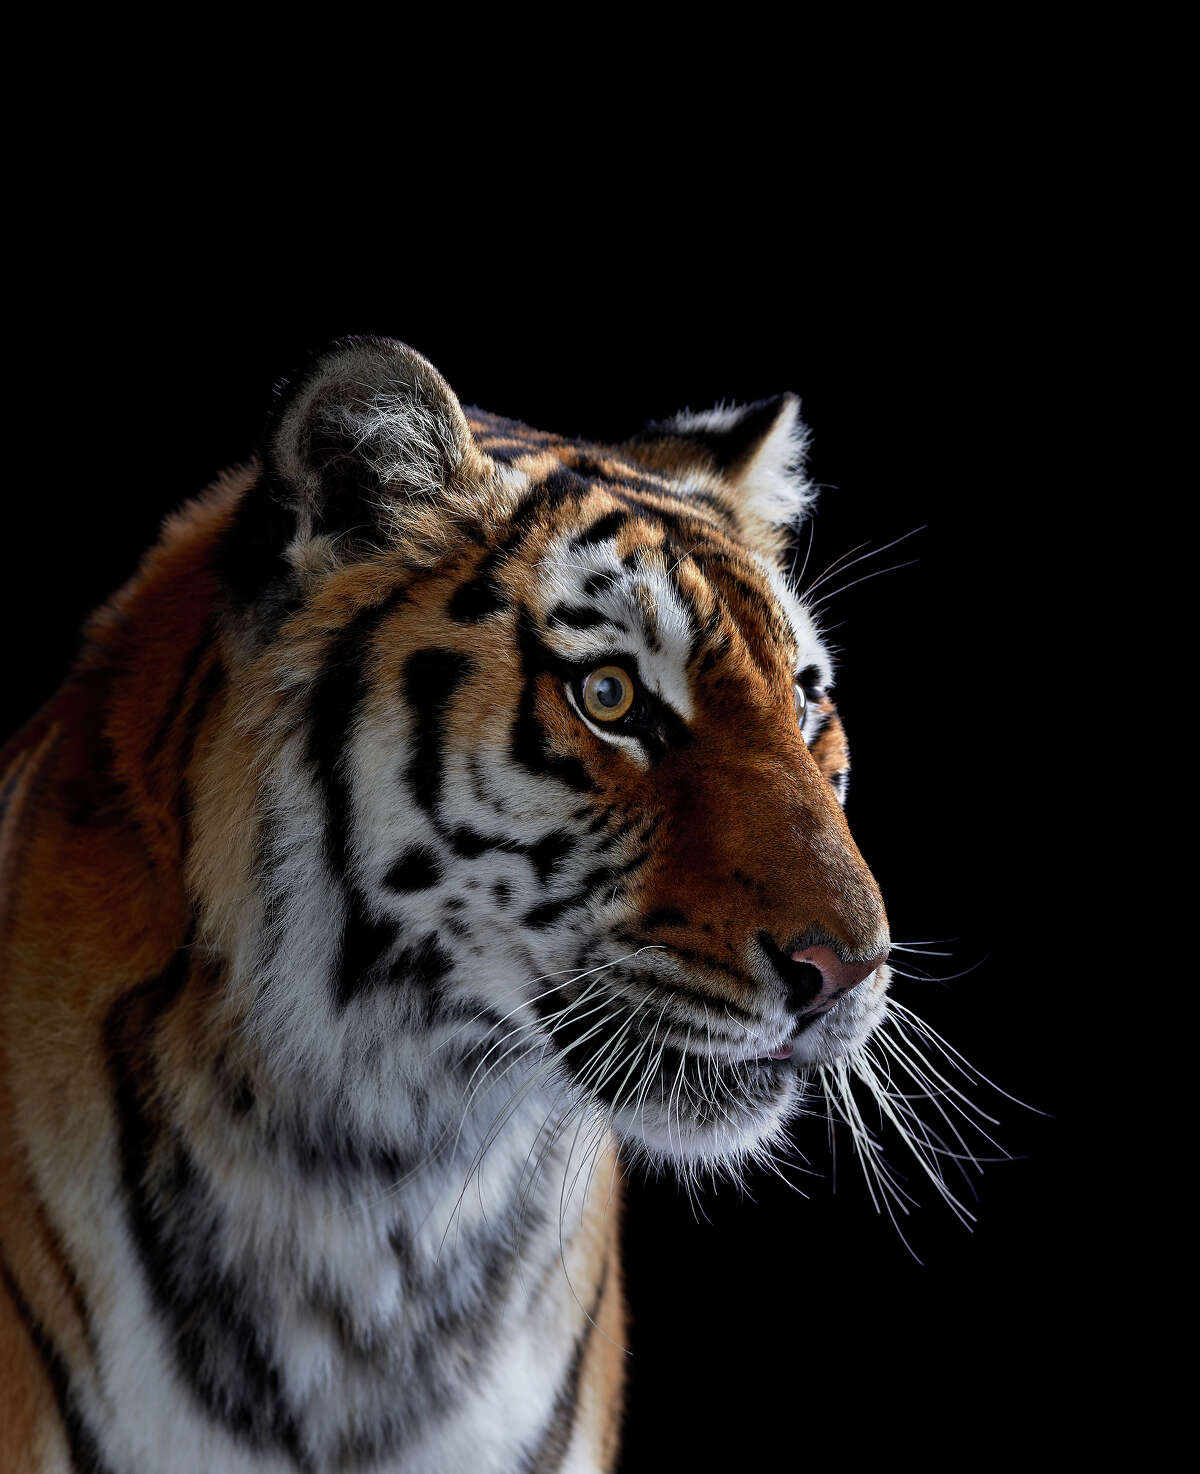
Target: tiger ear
x=751 y=456
x=365 y=424
x=364 y=439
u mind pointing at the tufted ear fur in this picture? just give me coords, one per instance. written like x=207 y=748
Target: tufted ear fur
x=366 y=423
x=751 y=456
x=364 y=440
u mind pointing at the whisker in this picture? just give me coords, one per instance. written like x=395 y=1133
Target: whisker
x=958 y=1060
x=854 y=582
x=874 y=553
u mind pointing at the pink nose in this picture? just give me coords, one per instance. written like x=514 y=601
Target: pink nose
x=837 y=977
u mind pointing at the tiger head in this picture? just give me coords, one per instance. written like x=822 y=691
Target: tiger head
x=535 y=762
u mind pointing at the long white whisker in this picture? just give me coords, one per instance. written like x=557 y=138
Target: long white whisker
x=874 y=553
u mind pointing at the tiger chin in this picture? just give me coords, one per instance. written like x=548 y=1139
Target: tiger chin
x=446 y=813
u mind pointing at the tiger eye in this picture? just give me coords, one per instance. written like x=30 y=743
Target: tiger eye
x=608 y=693
x=801 y=703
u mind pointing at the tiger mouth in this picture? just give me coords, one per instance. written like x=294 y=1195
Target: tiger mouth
x=679 y=1098
x=787 y=1049
x=701 y=1085
x=790 y=1048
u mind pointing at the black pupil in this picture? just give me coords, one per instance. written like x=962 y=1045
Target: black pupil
x=609 y=691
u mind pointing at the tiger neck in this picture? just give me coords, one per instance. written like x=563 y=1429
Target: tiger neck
x=427 y=1141
x=302 y=1265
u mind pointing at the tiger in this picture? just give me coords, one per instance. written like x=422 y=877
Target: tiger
x=445 y=819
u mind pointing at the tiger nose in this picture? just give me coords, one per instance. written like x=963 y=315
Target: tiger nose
x=837 y=976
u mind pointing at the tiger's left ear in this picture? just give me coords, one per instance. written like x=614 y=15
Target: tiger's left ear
x=366 y=446
x=366 y=425
x=751 y=457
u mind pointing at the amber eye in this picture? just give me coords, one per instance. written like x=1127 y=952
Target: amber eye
x=608 y=693
x=801 y=703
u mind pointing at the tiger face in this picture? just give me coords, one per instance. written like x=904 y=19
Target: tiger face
x=545 y=776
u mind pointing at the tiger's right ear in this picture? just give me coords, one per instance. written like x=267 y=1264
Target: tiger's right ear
x=367 y=435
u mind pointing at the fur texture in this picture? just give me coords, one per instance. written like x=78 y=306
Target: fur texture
x=345 y=952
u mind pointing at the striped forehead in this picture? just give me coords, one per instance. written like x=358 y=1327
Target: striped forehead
x=616 y=595
x=623 y=584
x=641 y=566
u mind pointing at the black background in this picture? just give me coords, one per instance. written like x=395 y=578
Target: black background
x=925 y=353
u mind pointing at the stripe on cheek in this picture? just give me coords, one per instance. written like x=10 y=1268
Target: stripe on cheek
x=431 y=678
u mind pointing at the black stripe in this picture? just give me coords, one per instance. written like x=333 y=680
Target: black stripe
x=601 y=530
x=178 y=696
x=705 y=1001
x=585 y=463
x=577 y=618
x=424 y=965
x=540 y=917
x=549 y=851
x=758 y=599
x=550 y=495
x=685 y=526
x=596 y=583
x=416 y=870
x=718 y=508
x=431 y=677
x=556 y=1439
x=470 y=844
x=529 y=746
x=84 y=1449
x=365 y=944
x=823 y=719
x=665 y=916
x=176 y=1227
x=481 y=595
x=595 y=882
x=333 y=709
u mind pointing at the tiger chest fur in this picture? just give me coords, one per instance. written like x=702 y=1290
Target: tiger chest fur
x=446 y=813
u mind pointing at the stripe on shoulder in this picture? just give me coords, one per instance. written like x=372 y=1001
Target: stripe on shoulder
x=556 y=1438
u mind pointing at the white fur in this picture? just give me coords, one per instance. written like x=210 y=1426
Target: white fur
x=485 y=1134
x=772 y=484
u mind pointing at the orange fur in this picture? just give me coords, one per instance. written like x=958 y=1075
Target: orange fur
x=92 y=901
x=132 y=794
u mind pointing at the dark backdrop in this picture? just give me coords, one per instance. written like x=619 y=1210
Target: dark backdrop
x=924 y=366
